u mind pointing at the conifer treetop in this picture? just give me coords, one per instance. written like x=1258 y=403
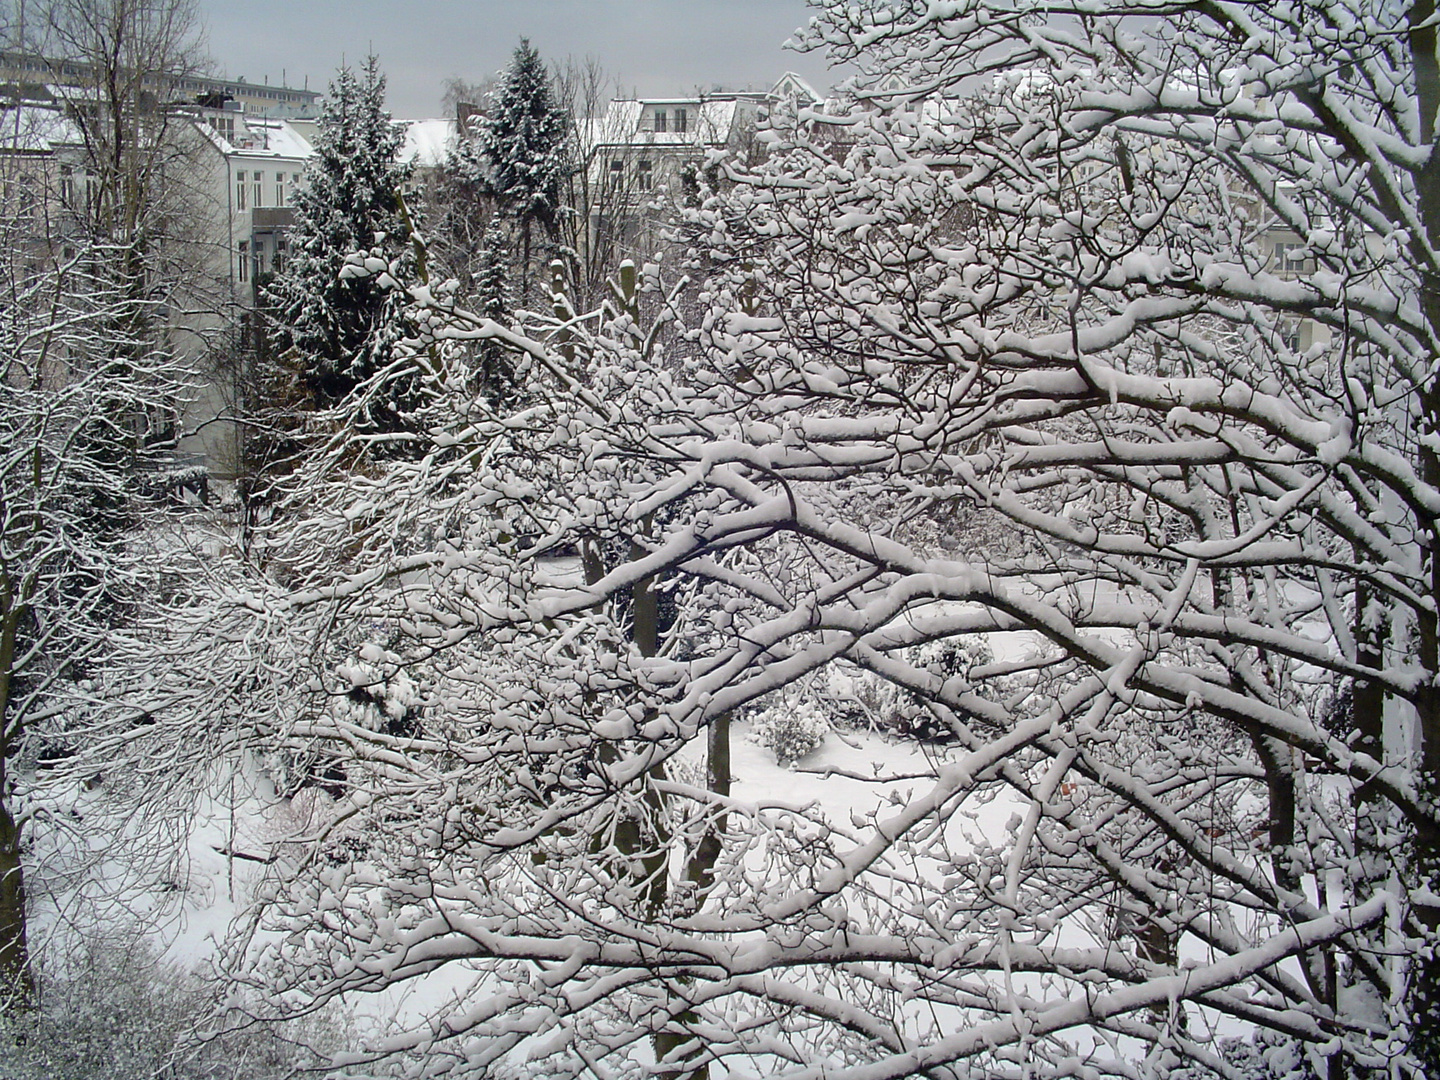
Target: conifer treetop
x=347 y=203
x=525 y=139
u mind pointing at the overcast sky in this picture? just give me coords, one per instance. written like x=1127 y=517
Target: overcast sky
x=654 y=47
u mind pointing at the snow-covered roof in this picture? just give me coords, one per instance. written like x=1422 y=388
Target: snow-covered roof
x=35 y=129
x=279 y=138
x=793 y=85
x=427 y=142
x=618 y=125
x=258 y=136
x=709 y=122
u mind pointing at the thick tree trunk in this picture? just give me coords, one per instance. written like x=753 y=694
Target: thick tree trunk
x=675 y=1046
x=1424 y=974
x=700 y=870
x=642 y=836
x=14 y=953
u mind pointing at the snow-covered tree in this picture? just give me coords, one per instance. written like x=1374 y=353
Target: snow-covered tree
x=341 y=330
x=1109 y=333
x=597 y=216
x=1158 y=297
x=136 y=187
x=80 y=400
x=96 y=261
x=523 y=146
x=494 y=360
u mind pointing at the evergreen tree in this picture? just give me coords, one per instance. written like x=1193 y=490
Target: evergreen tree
x=525 y=145
x=342 y=330
x=495 y=362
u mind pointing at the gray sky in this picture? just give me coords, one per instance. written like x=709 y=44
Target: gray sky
x=654 y=47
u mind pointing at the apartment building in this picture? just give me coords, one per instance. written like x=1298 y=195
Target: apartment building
x=645 y=144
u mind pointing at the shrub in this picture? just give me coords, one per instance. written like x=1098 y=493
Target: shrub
x=904 y=714
x=790 y=730
x=114 y=1009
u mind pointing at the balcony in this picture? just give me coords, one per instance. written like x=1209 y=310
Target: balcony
x=272 y=218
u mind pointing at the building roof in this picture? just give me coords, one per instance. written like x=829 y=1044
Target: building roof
x=427 y=142
x=257 y=136
x=36 y=129
x=791 y=85
x=710 y=122
x=26 y=67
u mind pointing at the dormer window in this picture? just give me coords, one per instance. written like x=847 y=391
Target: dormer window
x=681 y=120
x=661 y=121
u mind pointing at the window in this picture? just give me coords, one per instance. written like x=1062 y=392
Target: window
x=279 y=189
x=259 y=194
x=643 y=176
x=259 y=253
x=279 y=258
x=244 y=261
x=682 y=120
x=1290 y=334
x=616 y=168
x=240 y=190
x=27 y=204
x=67 y=184
x=1291 y=258
x=661 y=121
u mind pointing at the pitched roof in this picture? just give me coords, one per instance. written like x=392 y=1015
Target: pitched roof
x=427 y=142
x=36 y=129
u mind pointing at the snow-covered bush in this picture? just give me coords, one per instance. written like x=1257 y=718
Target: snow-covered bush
x=382 y=696
x=903 y=712
x=790 y=729
x=114 y=1009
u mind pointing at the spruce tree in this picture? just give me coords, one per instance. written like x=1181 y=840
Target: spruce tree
x=495 y=373
x=525 y=143
x=340 y=331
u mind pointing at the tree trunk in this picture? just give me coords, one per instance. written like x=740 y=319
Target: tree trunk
x=1424 y=974
x=15 y=974
x=700 y=871
x=14 y=955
